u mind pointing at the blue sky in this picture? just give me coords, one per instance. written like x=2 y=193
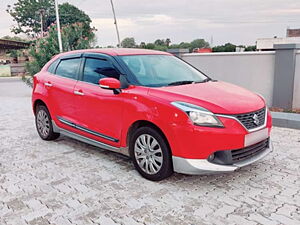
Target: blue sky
x=235 y=21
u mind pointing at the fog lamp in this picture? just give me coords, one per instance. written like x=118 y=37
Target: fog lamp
x=211 y=157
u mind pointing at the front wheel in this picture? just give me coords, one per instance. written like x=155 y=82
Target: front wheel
x=151 y=154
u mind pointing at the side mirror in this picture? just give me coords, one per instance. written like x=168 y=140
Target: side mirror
x=110 y=84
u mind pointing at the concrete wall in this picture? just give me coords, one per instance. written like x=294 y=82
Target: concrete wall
x=252 y=70
x=296 y=99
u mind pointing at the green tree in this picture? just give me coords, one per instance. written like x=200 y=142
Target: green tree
x=143 y=45
x=185 y=45
x=45 y=48
x=164 y=44
x=159 y=42
x=160 y=47
x=70 y=14
x=14 y=53
x=198 y=43
x=228 y=47
x=150 y=46
x=128 y=42
x=167 y=42
x=75 y=36
x=250 y=48
x=27 y=14
x=174 y=46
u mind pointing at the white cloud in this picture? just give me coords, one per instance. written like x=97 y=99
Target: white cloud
x=154 y=19
x=107 y=23
x=237 y=21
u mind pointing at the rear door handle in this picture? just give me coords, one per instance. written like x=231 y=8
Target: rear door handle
x=78 y=93
x=48 y=84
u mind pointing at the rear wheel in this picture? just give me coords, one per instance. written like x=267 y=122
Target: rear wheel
x=43 y=124
x=151 y=154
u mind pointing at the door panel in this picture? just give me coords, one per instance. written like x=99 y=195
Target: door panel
x=62 y=97
x=99 y=113
x=61 y=89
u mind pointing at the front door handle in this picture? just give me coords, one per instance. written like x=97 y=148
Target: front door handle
x=78 y=93
x=48 y=84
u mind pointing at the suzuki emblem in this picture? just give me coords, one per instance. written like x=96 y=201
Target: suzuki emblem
x=255 y=119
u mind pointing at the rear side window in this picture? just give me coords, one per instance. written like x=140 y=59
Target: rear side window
x=96 y=69
x=68 y=68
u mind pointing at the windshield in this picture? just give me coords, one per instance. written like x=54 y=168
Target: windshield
x=162 y=70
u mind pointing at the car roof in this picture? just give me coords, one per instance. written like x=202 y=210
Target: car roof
x=118 y=51
x=108 y=51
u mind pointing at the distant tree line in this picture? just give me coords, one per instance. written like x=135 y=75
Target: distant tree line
x=164 y=44
x=228 y=47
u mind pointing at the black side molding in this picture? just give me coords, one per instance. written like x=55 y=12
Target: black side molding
x=78 y=127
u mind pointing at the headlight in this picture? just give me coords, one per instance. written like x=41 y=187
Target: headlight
x=199 y=115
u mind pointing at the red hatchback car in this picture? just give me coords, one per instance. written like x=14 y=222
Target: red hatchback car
x=159 y=110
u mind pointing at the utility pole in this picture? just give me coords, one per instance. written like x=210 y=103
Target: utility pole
x=42 y=13
x=58 y=27
x=115 y=18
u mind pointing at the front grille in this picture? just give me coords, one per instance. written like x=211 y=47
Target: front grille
x=250 y=151
x=252 y=120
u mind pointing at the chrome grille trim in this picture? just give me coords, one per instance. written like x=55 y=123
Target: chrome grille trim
x=248 y=121
x=249 y=130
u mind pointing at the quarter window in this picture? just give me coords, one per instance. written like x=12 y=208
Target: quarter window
x=52 y=67
x=68 y=68
x=96 y=69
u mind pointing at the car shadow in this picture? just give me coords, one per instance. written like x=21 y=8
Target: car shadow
x=216 y=180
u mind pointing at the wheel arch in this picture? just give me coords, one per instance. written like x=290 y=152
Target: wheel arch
x=145 y=123
x=38 y=102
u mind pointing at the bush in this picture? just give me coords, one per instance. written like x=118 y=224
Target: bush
x=74 y=36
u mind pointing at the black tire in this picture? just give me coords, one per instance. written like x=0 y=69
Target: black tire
x=166 y=167
x=42 y=111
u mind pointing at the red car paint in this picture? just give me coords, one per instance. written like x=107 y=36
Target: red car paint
x=117 y=113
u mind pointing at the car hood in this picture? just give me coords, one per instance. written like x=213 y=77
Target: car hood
x=216 y=96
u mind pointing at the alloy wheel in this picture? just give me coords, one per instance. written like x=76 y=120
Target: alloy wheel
x=148 y=154
x=43 y=123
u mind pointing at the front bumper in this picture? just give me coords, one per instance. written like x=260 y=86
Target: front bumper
x=203 y=166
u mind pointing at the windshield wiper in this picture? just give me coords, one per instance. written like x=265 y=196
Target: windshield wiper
x=204 y=81
x=181 y=82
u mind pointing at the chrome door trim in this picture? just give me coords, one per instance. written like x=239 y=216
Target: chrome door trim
x=76 y=126
x=79 y=93
x=48 y=84
x=122 y=150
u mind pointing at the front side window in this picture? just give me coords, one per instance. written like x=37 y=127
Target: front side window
x=96 y=69
x=68 y=68
x=161 y=70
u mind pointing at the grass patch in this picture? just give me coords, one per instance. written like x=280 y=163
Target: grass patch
x=276 y=109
